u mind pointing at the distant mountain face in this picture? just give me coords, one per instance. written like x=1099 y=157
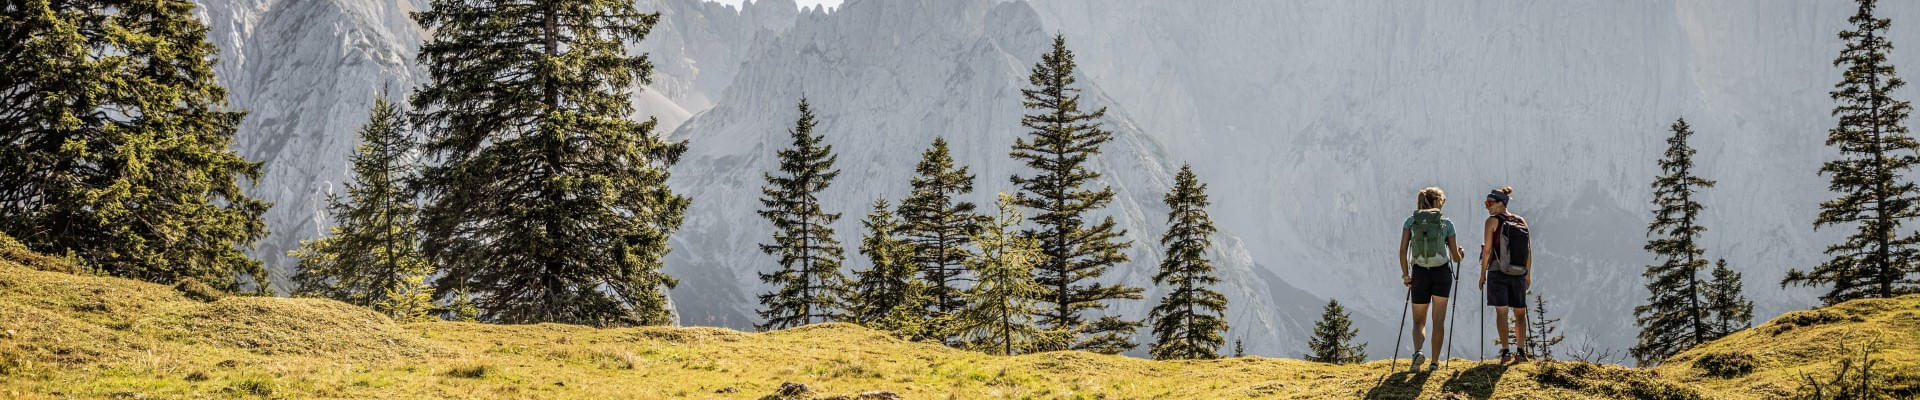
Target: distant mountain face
x=1313 y=122
x=885 y=78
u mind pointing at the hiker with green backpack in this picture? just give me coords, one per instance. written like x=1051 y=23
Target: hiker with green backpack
x=1427 y=242
x=1507 y=271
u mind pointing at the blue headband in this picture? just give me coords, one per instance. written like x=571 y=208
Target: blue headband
x=1497 y=196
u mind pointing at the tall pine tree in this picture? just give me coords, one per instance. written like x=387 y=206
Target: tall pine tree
x=1732 y=311
x=1063 y=140
x=118 y=144
x=1878 y=260
x=1544 y=332
x=1002 y=311
x=548 y=202
x=374 y=252
x=1332 y=340
x=1190 y=322
x=940 y=226
x=888 y=295
x=1675 y=317
x=808 y=287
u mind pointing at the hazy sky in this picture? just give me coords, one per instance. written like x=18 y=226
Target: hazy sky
x=803 y=3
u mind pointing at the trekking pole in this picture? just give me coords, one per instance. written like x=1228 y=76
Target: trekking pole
x=1452 y=316
x=1405 y=301
x=1483 y=319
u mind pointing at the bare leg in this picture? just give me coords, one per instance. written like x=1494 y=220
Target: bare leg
x=1439 y=324
x=1419 y=325
x=1500 y=324
x=1520 y=327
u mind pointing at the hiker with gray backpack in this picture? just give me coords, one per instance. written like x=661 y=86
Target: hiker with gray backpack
x=1507 y=271
x=1427 y=243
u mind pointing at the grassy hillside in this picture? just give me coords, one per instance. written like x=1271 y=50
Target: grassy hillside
x=65 y=335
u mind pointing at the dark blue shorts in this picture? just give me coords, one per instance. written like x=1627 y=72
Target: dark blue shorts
x=1506 y=290
x=1429 y=283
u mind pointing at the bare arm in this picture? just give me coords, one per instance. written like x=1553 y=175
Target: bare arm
x=1492 y=228
x=1453 y=247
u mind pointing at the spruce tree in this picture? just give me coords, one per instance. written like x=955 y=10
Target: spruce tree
x=888 y=295
x=117 y=149
x=1544 y=332
x=547 y=202
x=940 y=226
x=1876 y=151
x=1332 y=340
x=1003 y=310
x=408 y=301
x=808 y=287
x=1732 y=311
x=1675 y=317
x=1238 y=349
x=373 y=254
x=1190 y=322
x=1063 y=140
x=460 y=307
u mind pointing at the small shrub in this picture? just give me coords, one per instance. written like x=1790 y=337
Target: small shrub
x=1853 y=378
x=1805 y=318
x=196 y=376
x=196 y=290
x=12 y=363
x=12 y=250
x=254 y=386
x=471 y=372
x=1725 y=365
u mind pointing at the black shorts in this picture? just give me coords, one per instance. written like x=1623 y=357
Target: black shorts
x=1506 y=290
x=1429 y=283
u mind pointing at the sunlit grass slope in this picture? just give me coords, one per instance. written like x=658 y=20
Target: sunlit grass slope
x=64 y=335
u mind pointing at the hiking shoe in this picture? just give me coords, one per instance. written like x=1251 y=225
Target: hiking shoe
x=1433 y=366
x=1417 y=358
x=1521 y=357
x=1505 y=357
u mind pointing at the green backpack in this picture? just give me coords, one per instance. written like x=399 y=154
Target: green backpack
x=1429 y=242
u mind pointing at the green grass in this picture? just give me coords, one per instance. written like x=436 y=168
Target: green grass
x=65 y=335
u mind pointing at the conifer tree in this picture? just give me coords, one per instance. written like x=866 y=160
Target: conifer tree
x=1063 y=140
x=410 y=300
x=1675 y=317
x=1732 y=311
x=940 y=226
x=1332 y=340
x=117 y=149
x=1545 y=332
x=374 y=252
x=1238 y=349
x=1190 y=322
x=1003 y=310
x=808 y=287
x=1876 y=151
x=888 y=295
x=460 y=307
x=547 y=202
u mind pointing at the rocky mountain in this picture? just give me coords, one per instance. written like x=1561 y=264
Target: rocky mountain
x=1314 y=122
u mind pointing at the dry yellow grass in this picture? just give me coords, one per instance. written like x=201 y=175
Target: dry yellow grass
x=64 y=335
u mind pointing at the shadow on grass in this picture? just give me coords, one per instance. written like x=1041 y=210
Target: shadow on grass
x=1476 y=382
x=1400 y=385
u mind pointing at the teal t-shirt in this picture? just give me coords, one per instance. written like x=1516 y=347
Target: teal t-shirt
x=1447 y=227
